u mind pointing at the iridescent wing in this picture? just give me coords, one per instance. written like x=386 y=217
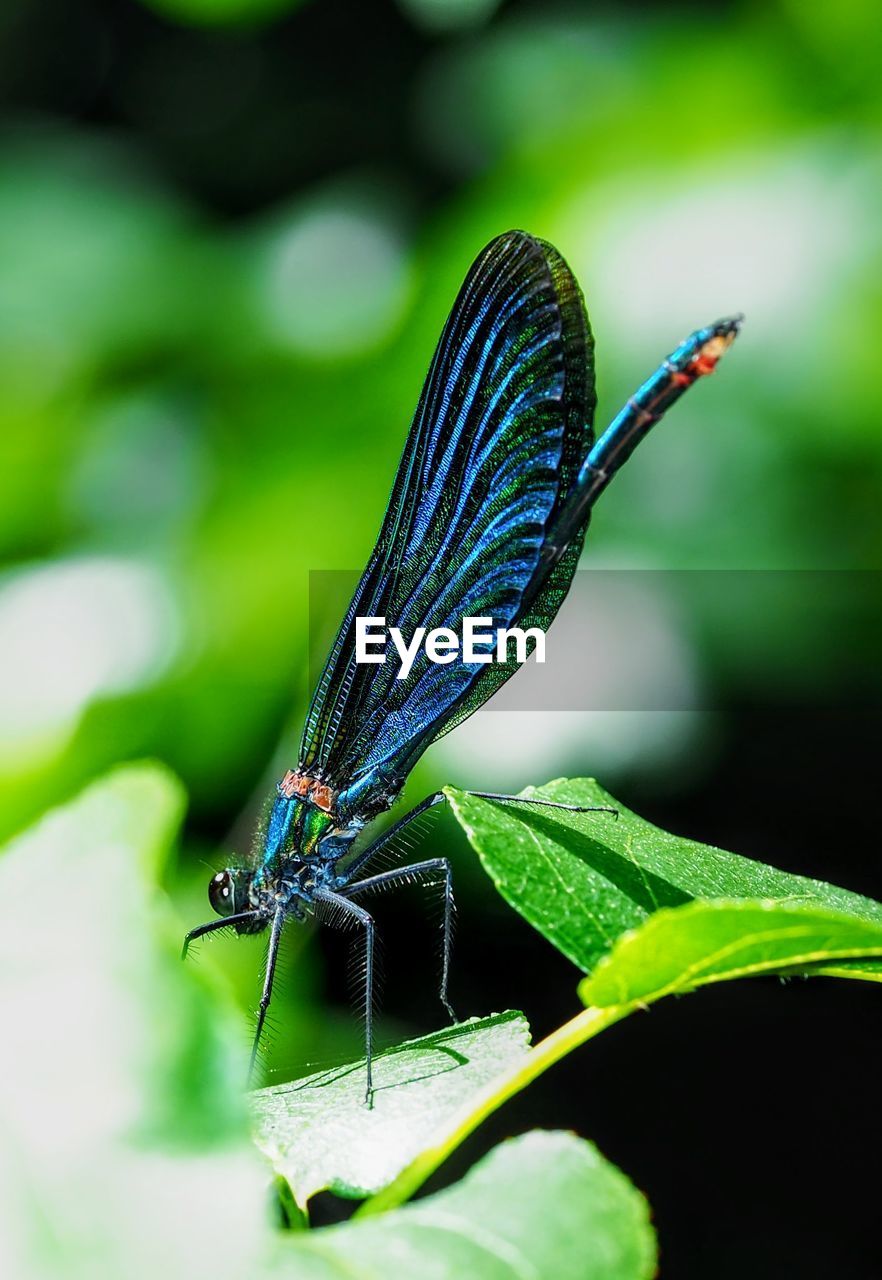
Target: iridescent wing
x=503 y=423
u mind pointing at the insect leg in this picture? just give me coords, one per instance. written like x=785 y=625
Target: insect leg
x=438 y=797
x=418 y=871
x=271 y=956
x=201 y=930
x=545 y=804
x=363 y=918
x=366 y=854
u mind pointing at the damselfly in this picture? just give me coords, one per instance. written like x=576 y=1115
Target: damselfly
x=486 y=519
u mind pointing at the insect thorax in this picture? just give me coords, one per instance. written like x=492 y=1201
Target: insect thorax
x=301 y=817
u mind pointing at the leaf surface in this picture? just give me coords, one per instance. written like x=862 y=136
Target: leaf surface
x=122 y=1129
x=545 y=1204
x=586 y=880
x=686 y=947
x=319 y=1134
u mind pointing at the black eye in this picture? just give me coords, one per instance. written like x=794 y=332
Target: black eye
x=222 y=893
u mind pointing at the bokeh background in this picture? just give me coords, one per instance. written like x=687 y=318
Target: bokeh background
x=230 y=231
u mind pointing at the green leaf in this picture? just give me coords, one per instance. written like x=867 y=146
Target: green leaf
x=319 y=1135
x=121 y=1114
x=652 y=914
x=585 y=880
x=686 y=947
x=545 y=1204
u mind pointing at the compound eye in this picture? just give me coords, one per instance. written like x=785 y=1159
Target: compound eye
x=222 y=893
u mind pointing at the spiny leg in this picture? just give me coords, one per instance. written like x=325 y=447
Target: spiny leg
x=367 y=921
x=213 y=925
x=438 y=797
x=271 y=957
x=417 y=871
x=545 y=804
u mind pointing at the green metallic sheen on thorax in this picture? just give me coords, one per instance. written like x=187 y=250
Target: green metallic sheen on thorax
x=316 y=823
x=294 y=829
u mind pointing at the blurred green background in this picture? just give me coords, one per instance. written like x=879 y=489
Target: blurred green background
x=230 y=231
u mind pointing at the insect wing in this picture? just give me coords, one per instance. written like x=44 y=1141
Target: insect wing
x=502 y=426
